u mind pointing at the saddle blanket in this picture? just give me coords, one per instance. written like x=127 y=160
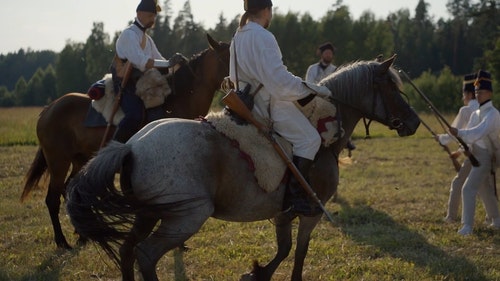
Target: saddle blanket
x=152 y=87
x=269 y=168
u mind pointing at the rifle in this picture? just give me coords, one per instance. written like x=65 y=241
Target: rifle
x=125 y=72
x=232 y=100
x=445 y=147
x=473 y=160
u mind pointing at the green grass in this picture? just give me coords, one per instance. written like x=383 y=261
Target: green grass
x=388 y=224
x=18 y=125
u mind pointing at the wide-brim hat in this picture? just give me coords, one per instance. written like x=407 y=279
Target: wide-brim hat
x=148 y=6
x=469 y=80
x=483 y=81
x=256 y=5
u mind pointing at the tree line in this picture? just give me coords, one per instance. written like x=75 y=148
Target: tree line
x=436 y=53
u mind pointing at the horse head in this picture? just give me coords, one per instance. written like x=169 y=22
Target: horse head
x=393 y=111
x=221 y=55
x=201 y=77
x=373 y=89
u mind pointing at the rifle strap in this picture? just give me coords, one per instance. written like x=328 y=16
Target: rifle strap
x=236 y=72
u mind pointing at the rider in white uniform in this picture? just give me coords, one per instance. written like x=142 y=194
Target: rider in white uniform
x=259 y=61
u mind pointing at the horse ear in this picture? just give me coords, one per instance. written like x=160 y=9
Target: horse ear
x=385 y=65
x=212 y=43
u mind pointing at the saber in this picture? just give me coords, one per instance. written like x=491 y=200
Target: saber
x=473 y=160
x=127 y=70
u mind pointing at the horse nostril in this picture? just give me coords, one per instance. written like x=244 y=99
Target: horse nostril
x=396 y=123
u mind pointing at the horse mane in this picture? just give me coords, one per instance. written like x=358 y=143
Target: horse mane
x=345 y=79
x=183 y=78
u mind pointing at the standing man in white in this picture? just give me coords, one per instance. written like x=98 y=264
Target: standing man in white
x=482 y=134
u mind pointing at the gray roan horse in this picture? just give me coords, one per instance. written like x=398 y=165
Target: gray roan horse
x=176 y=173
x=66 y=144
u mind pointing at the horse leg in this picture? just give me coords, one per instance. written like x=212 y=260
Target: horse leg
x=53 y=201
x=172 y=232
x=306 y=226
x=283 y=229
x=142 y=228
x=76 y=166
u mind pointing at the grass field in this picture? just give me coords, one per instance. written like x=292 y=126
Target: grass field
x=388 y=223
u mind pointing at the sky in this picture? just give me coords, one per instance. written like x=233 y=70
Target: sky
x=50 y=24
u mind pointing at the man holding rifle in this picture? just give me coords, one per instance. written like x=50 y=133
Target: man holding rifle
x=482 y=134
x=460 y=122
x=256 y=60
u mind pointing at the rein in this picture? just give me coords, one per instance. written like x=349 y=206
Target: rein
x=378 y=82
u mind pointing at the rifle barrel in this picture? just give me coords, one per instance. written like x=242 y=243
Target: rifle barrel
x=473 y=160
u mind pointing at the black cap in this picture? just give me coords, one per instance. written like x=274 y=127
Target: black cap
x=326 y=46
x=148 y=6
x=256 y=5
x=483 y=81
x=469 y=80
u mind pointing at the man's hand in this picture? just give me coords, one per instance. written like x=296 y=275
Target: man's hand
x=177 y=58
x=321 y=91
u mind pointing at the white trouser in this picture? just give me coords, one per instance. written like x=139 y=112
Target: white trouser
x=292 y=125
x=478 y=181
x=456 y=189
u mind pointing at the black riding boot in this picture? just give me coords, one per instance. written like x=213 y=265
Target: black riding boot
x=155 y=113
x=122 y=134
x=296 y=198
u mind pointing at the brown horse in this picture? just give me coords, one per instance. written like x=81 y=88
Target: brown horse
x=65 y=141
x=177 y=173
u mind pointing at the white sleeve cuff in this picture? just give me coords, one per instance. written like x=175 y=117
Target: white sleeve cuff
x=161 y=63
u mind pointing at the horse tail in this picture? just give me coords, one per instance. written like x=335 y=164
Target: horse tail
x=97 y=209
x=35 y=173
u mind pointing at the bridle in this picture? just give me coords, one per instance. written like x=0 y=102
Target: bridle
x=188 y=65
x=379 y=82
x=221 y=60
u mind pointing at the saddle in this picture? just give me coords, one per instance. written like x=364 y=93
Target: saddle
x=152 y=88
x=268 y=167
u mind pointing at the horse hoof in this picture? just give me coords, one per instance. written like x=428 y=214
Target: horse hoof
x=184 y=248
x=64 y=246
x=248 y=277
x=81 y=242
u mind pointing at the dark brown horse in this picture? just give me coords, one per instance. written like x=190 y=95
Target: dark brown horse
x=66 y=142
x=177 y=173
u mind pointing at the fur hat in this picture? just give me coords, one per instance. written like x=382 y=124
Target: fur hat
x=469 y=80
x=326 y=46
x=148 y=6
x=483 y=81
x=255 y=5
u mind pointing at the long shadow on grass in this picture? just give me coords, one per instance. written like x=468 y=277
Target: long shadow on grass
x=387 y=237
x=49 y=270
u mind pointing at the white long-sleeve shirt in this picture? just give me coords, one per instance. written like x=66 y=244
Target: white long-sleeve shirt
x=461 y=120
x=483 y=127
x=316 y=73
x=128 y=46
x=259 y=60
